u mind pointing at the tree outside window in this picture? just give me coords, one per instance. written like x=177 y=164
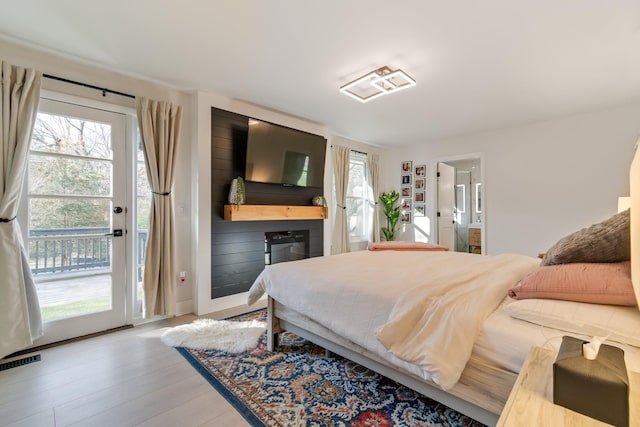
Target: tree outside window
x=358 y=218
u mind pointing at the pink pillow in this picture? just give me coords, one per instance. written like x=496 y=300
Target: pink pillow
x=596 y=283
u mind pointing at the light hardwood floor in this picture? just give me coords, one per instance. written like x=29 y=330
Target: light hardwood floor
x=125 y=378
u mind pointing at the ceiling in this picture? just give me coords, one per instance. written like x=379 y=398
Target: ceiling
x=479 y=65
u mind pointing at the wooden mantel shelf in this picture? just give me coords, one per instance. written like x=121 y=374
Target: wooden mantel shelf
x=272 y=212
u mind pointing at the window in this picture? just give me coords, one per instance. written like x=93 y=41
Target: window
x=358 y=206
x=143 y=212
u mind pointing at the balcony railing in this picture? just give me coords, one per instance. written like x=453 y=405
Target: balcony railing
x=75 y=249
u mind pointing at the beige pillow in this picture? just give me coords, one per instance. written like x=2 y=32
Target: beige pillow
x=620 y=324
x=607 y=241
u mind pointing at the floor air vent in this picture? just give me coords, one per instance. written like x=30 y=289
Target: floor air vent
x=19 y=362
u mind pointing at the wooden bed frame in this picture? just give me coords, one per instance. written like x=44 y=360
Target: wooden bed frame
x=481 y=392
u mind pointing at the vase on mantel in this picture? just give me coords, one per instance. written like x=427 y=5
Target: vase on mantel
x=322 y=202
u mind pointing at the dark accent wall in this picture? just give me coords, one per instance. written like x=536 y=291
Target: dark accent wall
x=237 y=247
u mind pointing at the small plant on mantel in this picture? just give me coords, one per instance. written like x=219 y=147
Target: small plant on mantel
x=237 y=192
x=391 y=213
x=241 y=195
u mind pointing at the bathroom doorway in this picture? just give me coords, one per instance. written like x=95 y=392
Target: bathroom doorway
x=458 y=203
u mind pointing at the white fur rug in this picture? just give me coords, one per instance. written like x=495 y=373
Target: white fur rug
x=209 y=334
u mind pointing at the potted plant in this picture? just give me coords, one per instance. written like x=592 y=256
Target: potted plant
x=237 y=192
x=391 y=213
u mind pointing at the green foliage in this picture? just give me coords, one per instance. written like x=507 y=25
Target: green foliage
x=69 y=157
x=240 y=191
x=391 y=213
x=143 y=191
x=73 y=157
x=77 y=308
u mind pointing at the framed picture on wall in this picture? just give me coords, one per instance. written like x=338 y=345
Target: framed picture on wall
x=420 y=182
x=419 y=197
x=406 y=167
x=406 y=204
x=421 y=170
x=405 y=191
x=418 y=210
x=406 y=179
x=405 y=217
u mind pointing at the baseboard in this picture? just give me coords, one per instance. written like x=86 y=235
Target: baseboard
x=67 y=341
x=184 y=307
x=235 y=311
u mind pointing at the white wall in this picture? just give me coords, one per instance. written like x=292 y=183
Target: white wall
x=543 y=180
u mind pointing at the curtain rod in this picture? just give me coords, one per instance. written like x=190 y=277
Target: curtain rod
x=355 y=151
x=102 y=89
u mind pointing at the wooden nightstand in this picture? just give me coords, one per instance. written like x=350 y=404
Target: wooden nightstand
x=475 y=240
x=531 y=400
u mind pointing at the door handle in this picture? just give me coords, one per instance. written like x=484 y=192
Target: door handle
x=117 y=210
x=115 y=233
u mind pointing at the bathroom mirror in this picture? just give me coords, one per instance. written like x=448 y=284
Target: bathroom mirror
x=478 y=198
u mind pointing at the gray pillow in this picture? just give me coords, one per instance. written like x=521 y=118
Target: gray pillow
x=607 y=241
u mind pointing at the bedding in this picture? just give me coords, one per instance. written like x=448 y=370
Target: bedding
x=620 y=324
x=596 y=283
x=399 y=245
x=410 y=299
x=434 y=326
x=505 y=340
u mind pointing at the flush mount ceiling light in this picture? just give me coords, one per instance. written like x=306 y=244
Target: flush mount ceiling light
x=377 y=83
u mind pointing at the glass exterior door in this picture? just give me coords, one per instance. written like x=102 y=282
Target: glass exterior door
x=76 y=235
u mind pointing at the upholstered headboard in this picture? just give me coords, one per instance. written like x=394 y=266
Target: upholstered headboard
x=634 y=184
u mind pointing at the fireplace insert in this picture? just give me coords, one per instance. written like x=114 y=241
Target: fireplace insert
x=282 y=246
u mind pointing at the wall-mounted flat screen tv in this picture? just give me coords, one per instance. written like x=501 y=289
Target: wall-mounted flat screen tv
x=281 y=155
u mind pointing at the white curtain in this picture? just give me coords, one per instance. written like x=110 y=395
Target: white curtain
x=373 y=169
x=20 y=321
x=340 y=241
x=160 y=130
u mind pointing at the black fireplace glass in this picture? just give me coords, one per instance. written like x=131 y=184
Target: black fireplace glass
x=283 y=246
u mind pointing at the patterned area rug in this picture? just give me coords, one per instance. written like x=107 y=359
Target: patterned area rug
x=299 y=386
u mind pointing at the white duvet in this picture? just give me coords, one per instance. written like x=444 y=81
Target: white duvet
x=418 y=310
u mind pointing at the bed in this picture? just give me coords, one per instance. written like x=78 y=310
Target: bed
x=440 y=322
